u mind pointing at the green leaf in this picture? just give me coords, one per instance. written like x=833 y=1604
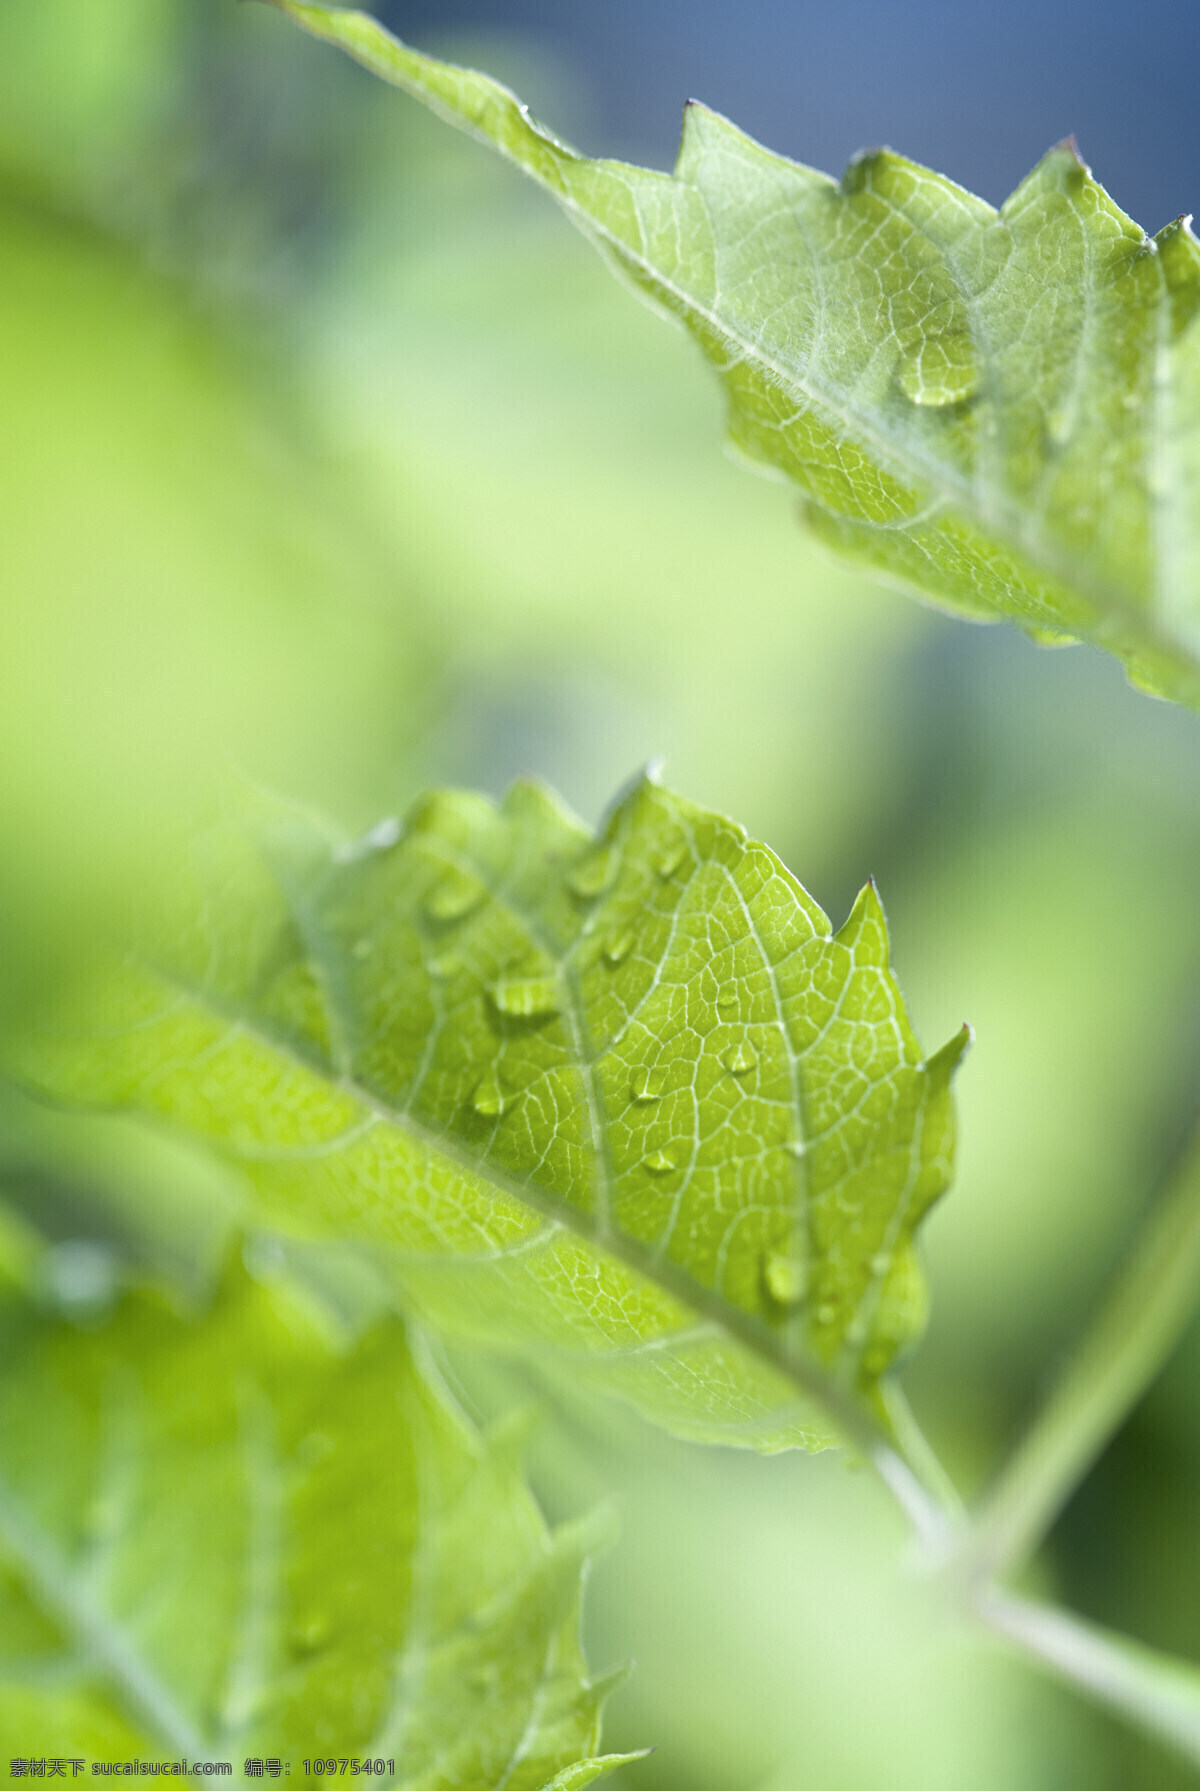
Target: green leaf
x=1000 y=411
x=222 y=1539
x=626 y=1099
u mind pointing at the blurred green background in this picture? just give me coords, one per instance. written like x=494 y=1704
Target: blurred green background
x=333 y=459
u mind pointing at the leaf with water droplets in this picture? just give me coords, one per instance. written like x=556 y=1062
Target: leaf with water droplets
x=236 y=1535
x=561 y=1147
x=999 y=410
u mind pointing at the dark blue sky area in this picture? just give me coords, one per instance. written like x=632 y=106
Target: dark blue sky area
x=978 y=91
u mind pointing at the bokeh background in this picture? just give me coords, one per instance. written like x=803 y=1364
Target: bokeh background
x=332 y=459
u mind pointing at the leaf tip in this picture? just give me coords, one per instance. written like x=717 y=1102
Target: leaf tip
x=942 y=1065
x=867 y=916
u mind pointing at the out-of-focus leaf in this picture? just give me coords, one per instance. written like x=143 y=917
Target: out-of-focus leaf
x=998 y=410
x=223 y=1539
x=625 y=1097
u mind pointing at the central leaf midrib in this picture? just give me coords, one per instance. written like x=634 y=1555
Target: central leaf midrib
x=745 y=1328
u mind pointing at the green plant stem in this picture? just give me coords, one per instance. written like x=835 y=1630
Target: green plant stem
x=1154 y=1691
x=1121 y=1352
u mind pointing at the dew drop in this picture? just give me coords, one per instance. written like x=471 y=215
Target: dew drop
x=527 y=997
x=658 y=1162
x=309 y=1633
x=785 y=1278
x=647 y=1085
x=669 y=861
x=80 y=1276
x=796 y=1147
x=593 y=874
x=940 y=370
x=488 y=1098
x=740 y=1059
x=618 y=947
x=455 y=897
x=726 y=1002
x=379 y=838
x=314 y=1448
x=1058 y=427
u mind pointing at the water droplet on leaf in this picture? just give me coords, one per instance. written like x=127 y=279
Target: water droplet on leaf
x=618 y=947
x=309 y=1633
x=740 y=1059
x=593 y=874
x=940 y=370
x=669 y=861
x=379 y=838
x=785 y=1278
x=1058 y=427
x=658 y=1162
x=314 y=1448
x=455 y=897
x=488 y=1098
x=527 y=997
x=647 y=1085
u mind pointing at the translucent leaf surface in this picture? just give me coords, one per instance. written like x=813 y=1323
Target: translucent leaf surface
x=998 y=410
x=628 y=1099
x=222 y=1540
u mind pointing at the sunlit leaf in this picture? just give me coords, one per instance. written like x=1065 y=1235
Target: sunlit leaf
x=998 y=410
x=627 y=1099
x=223 y=1540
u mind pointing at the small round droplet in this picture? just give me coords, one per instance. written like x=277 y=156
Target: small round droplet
x=309 y=1633
x=488 y=1098
x=658 y=1162
x=455 y=897
x=940 y=370
x=314 y=1448
x=1058 y=427
x=527 y=997
x=380 y=838
x=740 y=1059
x=593 y=874
x=669 y=861
x=618 y=947
x=785 y=1278
x=796 y=1147
x=726 y=1002
x=647 y=1085
x=80 y=1276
